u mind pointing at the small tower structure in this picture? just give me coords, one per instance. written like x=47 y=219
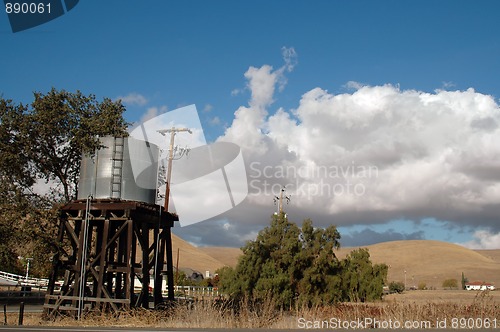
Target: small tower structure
x=115 y=242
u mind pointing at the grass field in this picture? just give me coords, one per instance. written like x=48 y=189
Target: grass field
x=424 y=261
x=444 y=296
x=415 y=307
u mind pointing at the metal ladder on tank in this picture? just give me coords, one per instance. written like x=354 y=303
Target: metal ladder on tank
x=117 y=167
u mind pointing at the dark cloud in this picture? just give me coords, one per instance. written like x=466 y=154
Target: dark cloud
x=368 y=237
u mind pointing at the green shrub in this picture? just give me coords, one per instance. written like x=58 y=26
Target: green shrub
x=298 y=267
x=396 y=287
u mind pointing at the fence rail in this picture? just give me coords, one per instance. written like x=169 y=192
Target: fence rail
x=41 y=284
x=23 y=281
x=197 y=291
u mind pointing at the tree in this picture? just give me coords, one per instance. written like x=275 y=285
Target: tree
x=298 y=266
x=14 y=164
x=464 y=281
x=320 y=269
x=268 y=267
x=45 y=141
x=450 y=283
x=9 y=226
x=361 y=280
x=48 y=138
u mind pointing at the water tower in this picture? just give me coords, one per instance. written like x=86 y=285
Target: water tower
x=116 y=247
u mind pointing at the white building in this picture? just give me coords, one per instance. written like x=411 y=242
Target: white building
x=479 y=285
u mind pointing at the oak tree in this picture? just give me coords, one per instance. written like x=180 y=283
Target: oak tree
x=44 y=142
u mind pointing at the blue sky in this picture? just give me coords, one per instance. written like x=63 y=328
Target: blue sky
x=161 y=55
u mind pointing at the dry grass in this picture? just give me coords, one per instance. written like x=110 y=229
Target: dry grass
x=493 y=254
x=423 y=306
x=443 y=296
x=197 y=315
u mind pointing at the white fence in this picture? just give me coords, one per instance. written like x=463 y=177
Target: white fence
x=197 y=291
x=22 y=281
x=42 y=284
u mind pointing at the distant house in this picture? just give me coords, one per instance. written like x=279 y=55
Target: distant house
x=479 y=285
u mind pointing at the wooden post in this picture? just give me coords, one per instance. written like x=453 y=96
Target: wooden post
x=21 y=313
x=170 y=268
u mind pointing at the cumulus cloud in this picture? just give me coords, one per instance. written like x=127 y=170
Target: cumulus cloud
x=207 y=108
x=153 y=112
x=249 y=121
x=484 y=239
x=376 y=154
x=133 y=99
x=215 y=121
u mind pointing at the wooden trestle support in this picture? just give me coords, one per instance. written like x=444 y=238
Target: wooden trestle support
x=119 y=244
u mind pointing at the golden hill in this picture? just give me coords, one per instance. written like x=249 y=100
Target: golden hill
x=228 y=256
x=192 y=257
x=430 y=262
x=492 y=254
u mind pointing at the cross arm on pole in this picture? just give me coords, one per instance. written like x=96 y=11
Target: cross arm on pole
x=173 y=129
x=172 y=132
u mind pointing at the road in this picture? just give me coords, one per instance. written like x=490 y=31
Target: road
x=28 y=308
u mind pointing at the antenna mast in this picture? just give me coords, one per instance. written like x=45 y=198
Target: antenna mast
x=279 y=199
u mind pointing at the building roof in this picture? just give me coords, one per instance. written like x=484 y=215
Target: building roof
x=478 y=283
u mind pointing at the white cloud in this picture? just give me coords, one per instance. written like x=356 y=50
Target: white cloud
x=247 y=126
x=484 y=239
x=215 y=121
x=353 y=85
x=133 y=99
x=448 y=85
x=261 y=82
x=367 y=157
x=208 y=108
x=290 y=57
x=236 y=92
x=430 y=154
x=248 y=121
x=291 y=60
x=152 y=112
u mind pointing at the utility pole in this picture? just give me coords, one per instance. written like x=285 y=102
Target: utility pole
x=172 y=132
x=29 y=259
x=280 y=200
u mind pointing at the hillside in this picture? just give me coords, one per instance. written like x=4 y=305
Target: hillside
x=425 y=261
x=228 y=256
x=431 y=262
x=491 y=254
x=193 y=257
